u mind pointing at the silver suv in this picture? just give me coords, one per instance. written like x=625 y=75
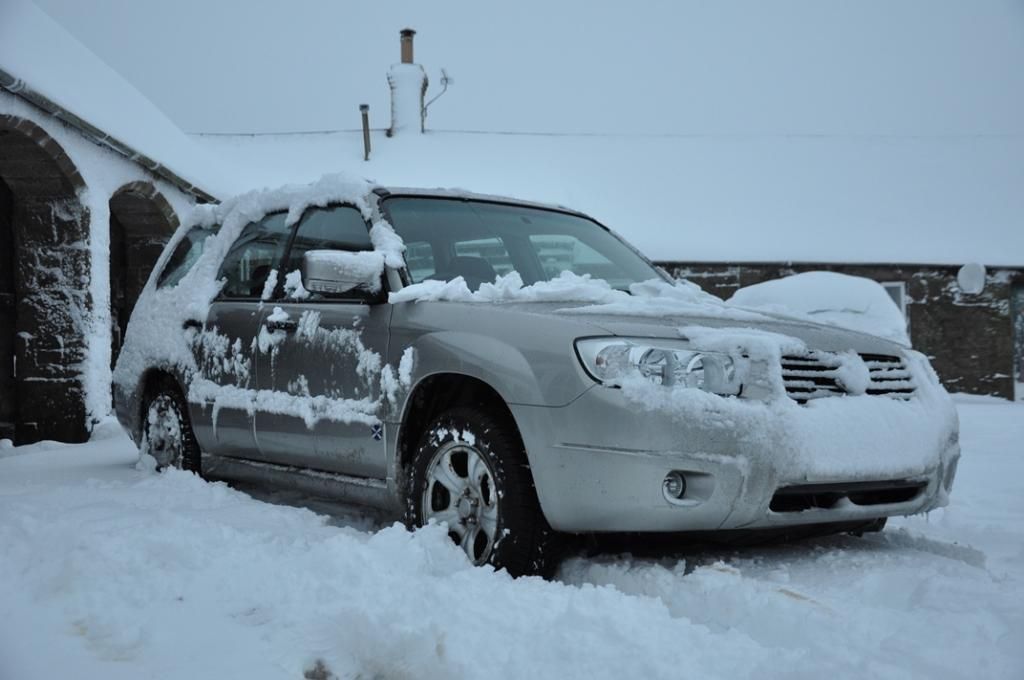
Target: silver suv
x=514 y=370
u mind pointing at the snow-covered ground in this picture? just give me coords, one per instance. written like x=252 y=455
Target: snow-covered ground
x=109 y=572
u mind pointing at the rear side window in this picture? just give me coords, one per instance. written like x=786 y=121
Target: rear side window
x=257 y=251
x=185 y=255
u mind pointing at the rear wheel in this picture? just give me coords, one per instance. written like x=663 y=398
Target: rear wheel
x=166 y=431
x=470 y=472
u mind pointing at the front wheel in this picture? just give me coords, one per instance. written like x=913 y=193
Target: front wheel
x=166 y=431
x=470 y=472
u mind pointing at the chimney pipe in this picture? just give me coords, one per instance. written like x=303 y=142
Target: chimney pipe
x=408 y=83
x=407 y=34
x=364 y=109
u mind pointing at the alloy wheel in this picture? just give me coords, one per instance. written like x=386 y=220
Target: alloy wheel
x=460 y=491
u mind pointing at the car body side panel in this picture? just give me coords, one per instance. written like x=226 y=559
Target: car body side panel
x=526 y=358
x=599 y=463
x=321 y=359
x=224 y=354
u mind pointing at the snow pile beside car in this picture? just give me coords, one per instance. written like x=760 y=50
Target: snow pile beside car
x=827 y=297
x=107 y=572
x=168 y=575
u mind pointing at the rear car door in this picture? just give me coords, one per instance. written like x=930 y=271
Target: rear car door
x=320 y=356
x=223 y=394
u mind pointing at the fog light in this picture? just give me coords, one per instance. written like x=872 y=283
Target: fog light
x=674 y=485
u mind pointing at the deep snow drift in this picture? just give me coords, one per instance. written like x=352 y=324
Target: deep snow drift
x=830 y=298
x=108 y=572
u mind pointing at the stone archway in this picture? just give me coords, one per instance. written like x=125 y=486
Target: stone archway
x=141 y=223
x=47 y=228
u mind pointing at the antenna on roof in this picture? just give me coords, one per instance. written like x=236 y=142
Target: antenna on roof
x=446 y=80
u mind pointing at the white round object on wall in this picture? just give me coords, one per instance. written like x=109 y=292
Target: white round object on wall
x=971 y=278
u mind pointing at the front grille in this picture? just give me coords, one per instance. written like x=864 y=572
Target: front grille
x=811 y=376
x=815 y=375
x=889 y=376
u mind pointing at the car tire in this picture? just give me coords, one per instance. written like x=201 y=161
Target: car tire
x=470 y=470
x=167 y=433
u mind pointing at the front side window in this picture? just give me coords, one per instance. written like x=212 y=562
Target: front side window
x=339 y=227
x=257 y=251
x=185 y=255
x=480 y=241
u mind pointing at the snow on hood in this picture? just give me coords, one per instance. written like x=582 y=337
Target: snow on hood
x=851 y=302
x=653 y=298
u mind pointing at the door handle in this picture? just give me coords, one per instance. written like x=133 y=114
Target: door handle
x=192 y=323
x=287 y=325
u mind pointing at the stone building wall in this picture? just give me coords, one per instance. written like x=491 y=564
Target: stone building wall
x=63 y=200
x=969 y=338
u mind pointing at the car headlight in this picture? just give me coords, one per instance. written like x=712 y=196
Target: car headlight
x=669 y=363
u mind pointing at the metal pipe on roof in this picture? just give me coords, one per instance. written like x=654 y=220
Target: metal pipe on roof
x=364 y=109
x=21 y=89
x=406 y=35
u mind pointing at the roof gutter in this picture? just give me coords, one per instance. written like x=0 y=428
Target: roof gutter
x=97 y=136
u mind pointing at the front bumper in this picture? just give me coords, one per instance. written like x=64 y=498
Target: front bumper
x=734 y=465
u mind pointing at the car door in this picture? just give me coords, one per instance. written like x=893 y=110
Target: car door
x=320 y=358
x=223 y=394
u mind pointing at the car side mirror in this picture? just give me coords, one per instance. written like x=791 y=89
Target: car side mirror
x=338 y=271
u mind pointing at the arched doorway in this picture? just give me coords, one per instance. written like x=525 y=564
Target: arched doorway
x=46 y=278
x=141 y=223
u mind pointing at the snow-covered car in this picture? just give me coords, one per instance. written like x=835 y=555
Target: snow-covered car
x=514 y=370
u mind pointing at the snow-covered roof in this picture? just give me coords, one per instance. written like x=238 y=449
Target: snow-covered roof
x=46 y=58
x=744 y=198
x=933 y=198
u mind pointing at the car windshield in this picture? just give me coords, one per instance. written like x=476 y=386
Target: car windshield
x=185 y=254
x=477 y=240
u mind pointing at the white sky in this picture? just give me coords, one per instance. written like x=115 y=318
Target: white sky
x=828 y=67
